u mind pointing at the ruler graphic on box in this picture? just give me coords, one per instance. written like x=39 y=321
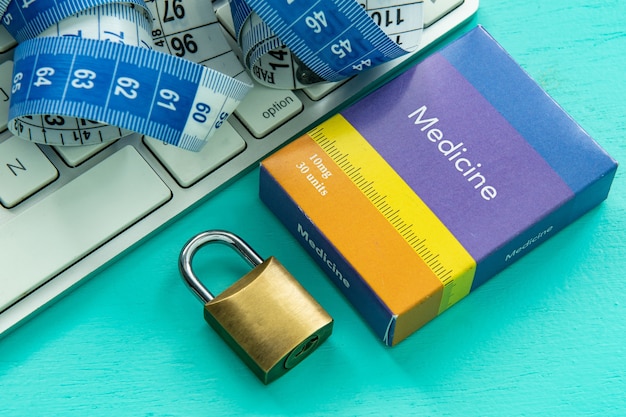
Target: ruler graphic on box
x=399 y=205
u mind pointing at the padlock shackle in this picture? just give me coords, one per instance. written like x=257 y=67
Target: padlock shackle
x=204 y=238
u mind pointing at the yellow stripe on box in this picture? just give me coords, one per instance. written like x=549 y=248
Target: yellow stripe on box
x=398 y=203
x=356 y=232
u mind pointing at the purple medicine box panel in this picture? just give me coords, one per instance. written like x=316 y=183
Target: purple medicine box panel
x=459 y=137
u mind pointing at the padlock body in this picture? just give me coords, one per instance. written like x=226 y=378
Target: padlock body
x=269 y=319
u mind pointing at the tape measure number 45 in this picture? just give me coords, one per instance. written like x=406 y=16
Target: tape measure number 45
x=96 y=70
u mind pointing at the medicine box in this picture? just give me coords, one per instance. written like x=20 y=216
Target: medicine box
x=421 y=191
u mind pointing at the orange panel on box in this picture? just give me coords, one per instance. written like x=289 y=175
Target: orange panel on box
x=369 y=243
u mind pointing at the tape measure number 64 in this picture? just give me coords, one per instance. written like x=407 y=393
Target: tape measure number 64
x=94 y=76
x=94 y=71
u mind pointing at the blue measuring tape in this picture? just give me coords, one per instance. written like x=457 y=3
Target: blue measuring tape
x=90 y=71
x=296 y=43
x=94 y=77
x=4 y=5
x=25 y=19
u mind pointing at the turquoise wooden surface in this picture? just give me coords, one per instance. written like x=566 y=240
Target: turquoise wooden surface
x=545 y=337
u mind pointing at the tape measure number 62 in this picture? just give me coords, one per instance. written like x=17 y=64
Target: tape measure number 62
x=94 y=71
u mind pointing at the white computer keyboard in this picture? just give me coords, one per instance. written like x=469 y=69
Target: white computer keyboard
x=66 y=211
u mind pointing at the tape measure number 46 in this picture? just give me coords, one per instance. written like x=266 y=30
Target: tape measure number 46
x=96 y=70
x=295 y=43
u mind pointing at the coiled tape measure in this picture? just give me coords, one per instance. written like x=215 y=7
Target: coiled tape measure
x=94 y=77
x=91 y=71
x=295 y=43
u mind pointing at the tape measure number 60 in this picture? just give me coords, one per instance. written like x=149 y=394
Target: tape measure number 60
x=90 y=71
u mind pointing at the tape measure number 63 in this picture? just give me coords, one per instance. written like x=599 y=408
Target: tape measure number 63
x=94 y=71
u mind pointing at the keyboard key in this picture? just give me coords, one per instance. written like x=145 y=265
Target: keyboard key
x=225 y=17
x=436 y=9
x=6 y=40
x=321 y=90
x=76 y=155
x=188 y=167
x=6 y=72
x=227 y=64
x=24 y=170
x=213 y=43
x=85 y=213
x=264 y=109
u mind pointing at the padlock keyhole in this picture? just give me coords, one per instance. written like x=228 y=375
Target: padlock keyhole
x=308 y=345
x=301 y=352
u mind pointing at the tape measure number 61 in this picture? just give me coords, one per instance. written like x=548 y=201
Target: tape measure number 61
x=93 y=71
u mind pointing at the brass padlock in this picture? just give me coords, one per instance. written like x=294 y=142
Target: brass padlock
x=267 y=317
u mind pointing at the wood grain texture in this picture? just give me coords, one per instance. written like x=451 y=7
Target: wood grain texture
x=545 y=337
